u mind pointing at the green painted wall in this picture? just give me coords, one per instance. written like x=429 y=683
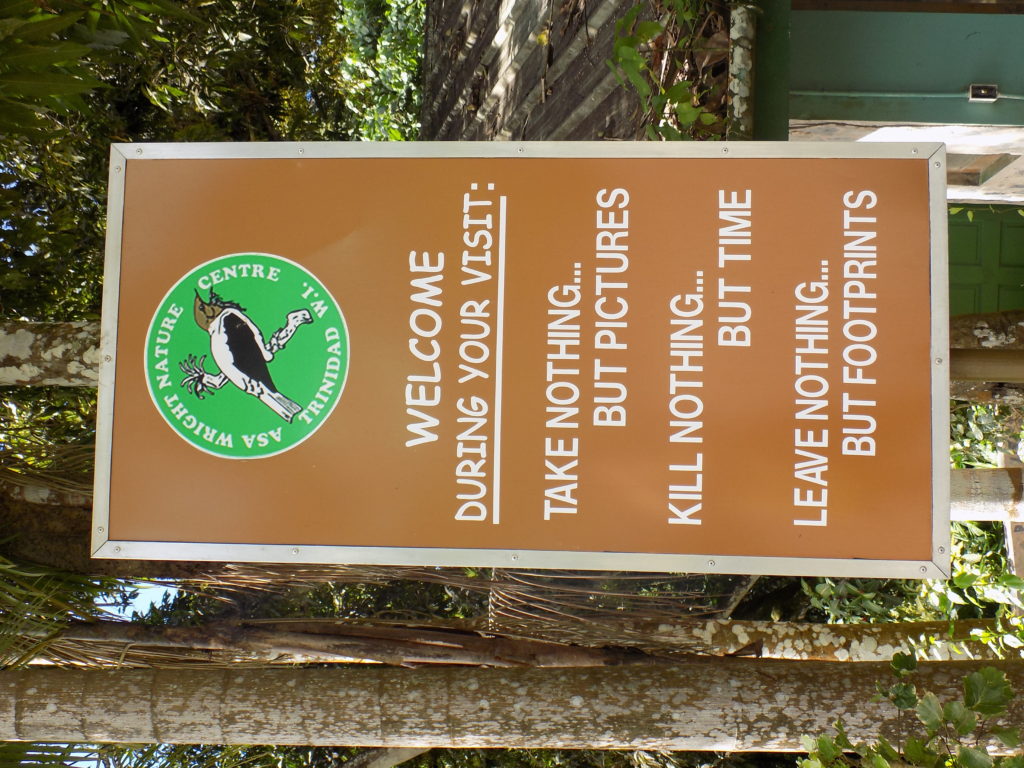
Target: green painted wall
x=925 y=60
x=986 y=259
x=771 y=71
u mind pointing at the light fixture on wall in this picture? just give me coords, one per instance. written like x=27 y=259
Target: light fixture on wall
x=985 y=93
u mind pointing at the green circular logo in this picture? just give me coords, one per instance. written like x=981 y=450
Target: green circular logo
x=247 y=355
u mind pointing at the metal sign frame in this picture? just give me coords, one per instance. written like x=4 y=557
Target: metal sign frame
x=122 y=155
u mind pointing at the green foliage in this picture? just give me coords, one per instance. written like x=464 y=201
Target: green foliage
x=48 y=53
x=955 y=733
x=981 y=587
x=968 y=211
x=409 y=601
x=76 y=75
x=656 y=58
x=382 y=80
x=37 y=418
x=36 y=602
x=978 y=433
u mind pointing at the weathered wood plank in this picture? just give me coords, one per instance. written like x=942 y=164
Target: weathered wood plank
x=577 y=81
x=609 y=119
x=975 y=170
x=453 y=29
x=536 y=71
x=515 y=42
x=583 y=84
x=467 y=49
x=986 y=494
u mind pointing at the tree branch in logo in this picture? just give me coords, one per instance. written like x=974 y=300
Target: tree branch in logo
x=241 y=354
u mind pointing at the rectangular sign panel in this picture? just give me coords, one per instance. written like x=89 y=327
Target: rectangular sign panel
x=663 y=357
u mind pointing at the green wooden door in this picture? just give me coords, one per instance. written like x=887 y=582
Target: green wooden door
x=986 y=259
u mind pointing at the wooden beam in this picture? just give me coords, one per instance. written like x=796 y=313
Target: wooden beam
x=724 y=705
x=986 y=494
x=975 y=170
x=986 y=365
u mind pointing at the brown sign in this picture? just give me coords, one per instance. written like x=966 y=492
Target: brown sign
x=703 y=358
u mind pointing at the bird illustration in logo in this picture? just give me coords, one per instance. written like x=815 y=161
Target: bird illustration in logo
x=240 y=352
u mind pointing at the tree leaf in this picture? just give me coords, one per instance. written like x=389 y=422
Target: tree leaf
x=687 y=113
x=903 y=663
x=842 y=740
x=827 y=748
x=23 y=55
x=1009 y=736
x=18 y=117
x=174 y=9
x=648 y=30
x=965 y=579
x=44 y=26
x=970 y=757
x=679 y=91
x=903 y=695
x=887 y=750
x=929 y=712
x=36 y=84
x=917 y=752
x=17 y=7
x=1012 y=580
x=961 y=718
x=670 y=132
x=7 y=26
x=626 y=22
x=987 y=691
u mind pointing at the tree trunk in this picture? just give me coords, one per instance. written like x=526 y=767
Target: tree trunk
x=326 y=641
x=720 y=704
x=49 y=354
